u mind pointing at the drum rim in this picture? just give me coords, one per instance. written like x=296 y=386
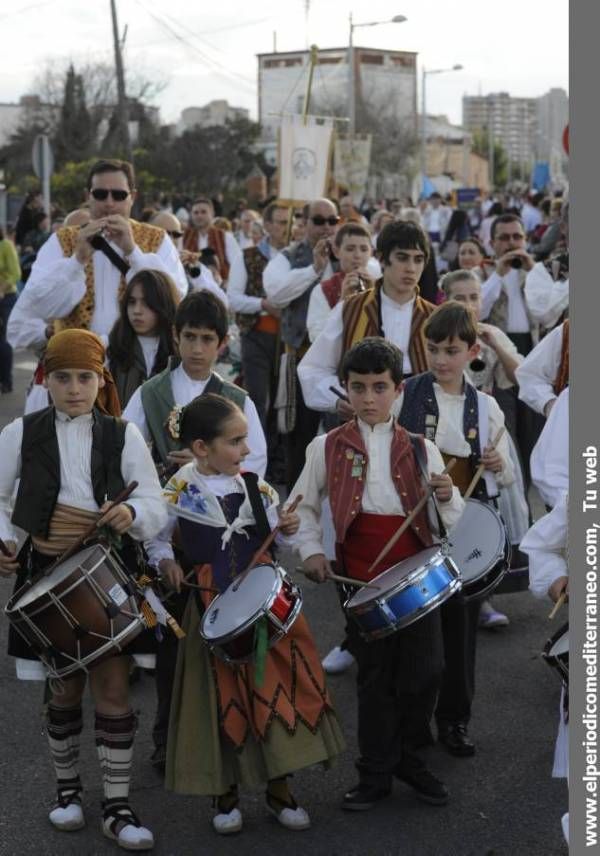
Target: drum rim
x=409 y=579
x=278 y=583
x=502 y=551
x=137 y=623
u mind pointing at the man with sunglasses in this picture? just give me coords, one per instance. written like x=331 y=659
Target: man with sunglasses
x=199 y=275
x=78 y=285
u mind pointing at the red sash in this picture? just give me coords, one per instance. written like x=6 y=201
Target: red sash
x=365 y=539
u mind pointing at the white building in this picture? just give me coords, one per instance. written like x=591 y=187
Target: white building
x=12 y=115
x=214 y=113
x=385 y=80
x=553 y=116
x=513 y=122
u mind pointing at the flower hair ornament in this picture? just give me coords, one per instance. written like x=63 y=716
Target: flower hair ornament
x=174 y=422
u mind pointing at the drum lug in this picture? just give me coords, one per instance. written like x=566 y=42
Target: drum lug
x=445 y=546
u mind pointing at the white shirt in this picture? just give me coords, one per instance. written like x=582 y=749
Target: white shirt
x=379 y=494
x=283 y=284
x=517 y=320
x=318 y=369
x=75 y=445
x=205 y=281
x=185 y=389
x=549 y=460
x=23 y=331
x=57 y=283
x=546 y=298
x=546 y=545
x=449 y=436
x=149 y=346
x=238 y=280
x=494 y=370
x=244 y=241
x=232 y=248
x=537 y=372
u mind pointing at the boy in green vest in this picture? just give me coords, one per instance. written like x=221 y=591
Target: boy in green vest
x=201 y=325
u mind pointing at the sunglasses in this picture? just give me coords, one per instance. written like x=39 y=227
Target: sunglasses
x=516 y=236
x=175 y=234
x=100 y=194
x=318 y=220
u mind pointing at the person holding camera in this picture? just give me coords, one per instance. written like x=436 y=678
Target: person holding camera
x=80 y=272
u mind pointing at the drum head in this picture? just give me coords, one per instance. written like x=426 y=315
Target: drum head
x=559 y=643
x=394 y=576
x=235 y=608
x=86 y=558
x=477 y=541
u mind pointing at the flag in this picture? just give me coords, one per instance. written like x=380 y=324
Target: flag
x=352 y=160
x=304 y=155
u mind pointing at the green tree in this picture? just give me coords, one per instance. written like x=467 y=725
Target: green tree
x=74 y=136
x=481 y=146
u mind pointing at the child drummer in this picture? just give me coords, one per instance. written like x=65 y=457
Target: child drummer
x=443 y=406
x=368 y=469
x=229 y=725
x=72 y=458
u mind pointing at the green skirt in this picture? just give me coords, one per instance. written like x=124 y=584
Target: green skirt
x=201 y=760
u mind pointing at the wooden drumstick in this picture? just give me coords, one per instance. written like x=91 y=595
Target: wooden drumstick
x=265 y=545
x=4 y=549
x=346 y=580
x=480 y=469
x=398 y=534
x=562 y=598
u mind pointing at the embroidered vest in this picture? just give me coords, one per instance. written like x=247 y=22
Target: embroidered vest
x=562 y=378
x=361 y=317
x=158 y=402
x=345 y=455
x=332 y=288
x=215 y=240
x=40 y=467
x=293 y=317
x=255 y=263
x=499 y=312
x=148 y=238
x=420 y=415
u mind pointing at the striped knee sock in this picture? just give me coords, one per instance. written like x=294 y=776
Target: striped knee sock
x=64 y=726
x=114 y=744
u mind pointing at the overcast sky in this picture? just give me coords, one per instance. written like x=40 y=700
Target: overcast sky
x=207 y=50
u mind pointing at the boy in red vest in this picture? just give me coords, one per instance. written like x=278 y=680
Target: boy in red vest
x=367 y=468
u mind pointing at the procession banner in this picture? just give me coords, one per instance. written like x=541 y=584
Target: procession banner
x=304 y=157
x=351 y=164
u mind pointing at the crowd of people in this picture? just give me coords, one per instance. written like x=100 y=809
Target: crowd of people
x=357 y=358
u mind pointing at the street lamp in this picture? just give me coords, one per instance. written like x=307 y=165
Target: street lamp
x=425 y=72
x=397 y=19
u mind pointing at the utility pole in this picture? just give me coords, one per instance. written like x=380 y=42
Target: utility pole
x=122 y=111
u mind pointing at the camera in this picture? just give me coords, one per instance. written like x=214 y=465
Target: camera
x=516 y=263
x=477 y=365
x=193 y=270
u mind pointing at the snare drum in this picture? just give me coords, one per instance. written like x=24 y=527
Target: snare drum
x=556 y=652
x=229 y=623
x=406 y=592
x=480 y=548
x=86 y=609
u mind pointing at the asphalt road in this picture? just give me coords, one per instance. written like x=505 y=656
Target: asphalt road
x=503 y=801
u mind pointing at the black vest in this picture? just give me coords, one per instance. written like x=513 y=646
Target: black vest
x=40 y=467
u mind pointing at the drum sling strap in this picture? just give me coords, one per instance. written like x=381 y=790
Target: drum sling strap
x=258 y=510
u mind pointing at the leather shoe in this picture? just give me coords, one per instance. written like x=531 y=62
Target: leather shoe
x=455 y=740
x=364 y=796
x=425 y=785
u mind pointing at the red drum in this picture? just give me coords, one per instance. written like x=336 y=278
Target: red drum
x=229 y=623
x=85 y=610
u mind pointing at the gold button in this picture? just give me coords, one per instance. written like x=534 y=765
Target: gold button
x=404 y=493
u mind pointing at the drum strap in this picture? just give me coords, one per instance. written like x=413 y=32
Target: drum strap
x=419 y=453
x=258 y=510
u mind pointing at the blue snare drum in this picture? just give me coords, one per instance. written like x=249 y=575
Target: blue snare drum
x=406 y=592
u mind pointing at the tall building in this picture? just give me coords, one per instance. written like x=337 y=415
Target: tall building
x=513 y=122
x=384 y=80
x=553 y=115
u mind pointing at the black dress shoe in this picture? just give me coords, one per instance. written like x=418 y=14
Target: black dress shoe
x=425 y=785
x=364 y=797
x=455 y=740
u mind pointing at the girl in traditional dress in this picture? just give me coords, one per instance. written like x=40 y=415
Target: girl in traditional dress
x=229 y=724
x=141 y=341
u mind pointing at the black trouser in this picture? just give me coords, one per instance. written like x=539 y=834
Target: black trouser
x=529 y=424
x=166 y=660
x=305 y=429
x=6 y=351
x=459 y=632
x=260 y=357
x=396 y=679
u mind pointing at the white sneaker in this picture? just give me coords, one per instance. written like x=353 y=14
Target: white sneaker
x=67 y=819
x=337 y=661
x=292 y=818
x=489 y=617
x=228 y=824
x=565 y=826
x=130 y=837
